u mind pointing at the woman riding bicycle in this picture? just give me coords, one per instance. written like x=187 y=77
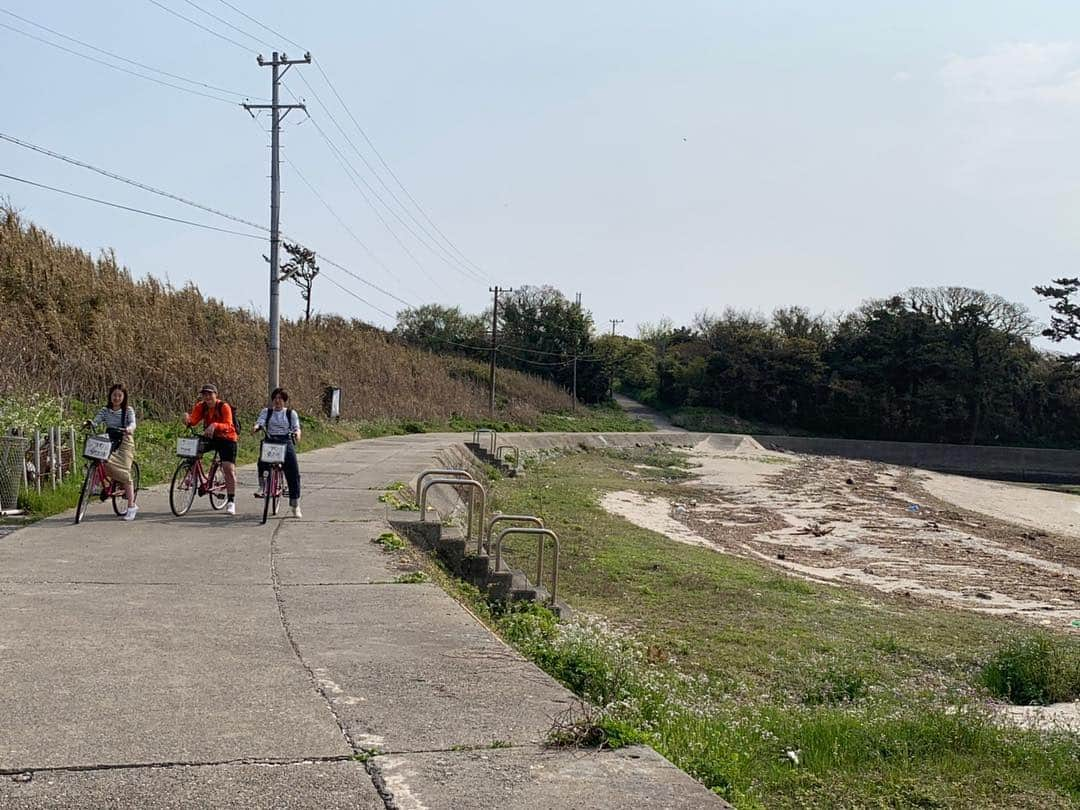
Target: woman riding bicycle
x=217 y=418
x=119 y=420
x=282 y=426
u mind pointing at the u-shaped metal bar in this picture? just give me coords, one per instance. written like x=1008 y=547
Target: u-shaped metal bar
x=459 y=482
x=493 y=437
x=500 y=455
x=535 y=521
x=541 y=534
x=448 y=472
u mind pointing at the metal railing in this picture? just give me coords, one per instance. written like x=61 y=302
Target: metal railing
x=500 y=455
x=540 y=535
x=459 y=482
x=447 y=472
x=493 y=437
x=535 y=521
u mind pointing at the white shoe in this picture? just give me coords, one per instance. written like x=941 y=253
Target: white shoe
x=296 y=513
x=230 y=508
x=132 y=510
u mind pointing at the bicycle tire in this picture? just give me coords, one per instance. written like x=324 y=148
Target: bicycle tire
x=279 y=484
x=84 y=493
x=181 y=489
x=215 y=488
x=118 y=495
x=268 y=493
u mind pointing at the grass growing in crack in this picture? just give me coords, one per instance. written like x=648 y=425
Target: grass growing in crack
x=412 y=578
x=775 y=692
x=396 y=501
x=390 y=541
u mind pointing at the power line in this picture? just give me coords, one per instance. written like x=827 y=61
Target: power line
x=361 y=299
x=446 y=255
x=117 y=56
x=225 y=22
x=117 y=67
x=390 y=171
x=197 y=24
x=129 y=208
x=261 y=25
x=375 y=193
x=129 y=181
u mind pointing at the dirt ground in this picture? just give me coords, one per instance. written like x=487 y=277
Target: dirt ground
x=979 y=545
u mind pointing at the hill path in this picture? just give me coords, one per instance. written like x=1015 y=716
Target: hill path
x=209 y=661
x=657 y=419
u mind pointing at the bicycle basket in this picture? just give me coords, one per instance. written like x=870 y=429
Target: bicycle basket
x=272 y=453
x=189 y=448
x=97 y=447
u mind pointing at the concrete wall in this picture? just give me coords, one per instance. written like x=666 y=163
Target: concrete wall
x=1002 y=463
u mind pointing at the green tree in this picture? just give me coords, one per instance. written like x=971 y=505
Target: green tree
x=301 y=269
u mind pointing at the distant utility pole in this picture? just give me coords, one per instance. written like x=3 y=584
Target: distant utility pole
x=576 y=342
x=279 y=65
x=614 y=323
x=494 y=331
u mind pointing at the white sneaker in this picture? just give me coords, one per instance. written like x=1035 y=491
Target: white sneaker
x=296 y=513
x=132 y=510
x=230 y=508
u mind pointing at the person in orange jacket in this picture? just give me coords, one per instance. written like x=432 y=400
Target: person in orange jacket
x=220 y=434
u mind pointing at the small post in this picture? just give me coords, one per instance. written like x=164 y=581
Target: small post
x=71 y=436
x=53 y=431
x=37 y=460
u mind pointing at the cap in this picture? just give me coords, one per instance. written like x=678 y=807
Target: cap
x=208 y=389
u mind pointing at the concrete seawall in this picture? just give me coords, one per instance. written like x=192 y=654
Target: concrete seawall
x=1032 y=465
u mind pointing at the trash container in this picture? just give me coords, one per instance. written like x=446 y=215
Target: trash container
x=12 y=468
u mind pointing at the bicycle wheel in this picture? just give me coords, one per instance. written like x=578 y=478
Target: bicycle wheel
x=268 y=489
x=279 y=484
x=184 y=485
x=216 y=488
x=84 y=493
x=119 y=500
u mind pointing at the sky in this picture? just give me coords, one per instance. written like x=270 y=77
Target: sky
x=658 y=159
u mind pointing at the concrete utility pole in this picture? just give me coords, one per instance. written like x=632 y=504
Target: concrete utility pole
x=614 y=322
x=578 y=304
x=494 y=331
x=279 y=66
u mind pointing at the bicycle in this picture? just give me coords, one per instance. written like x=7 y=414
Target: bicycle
x=189 y=479
x=274 y=487
x=96 y=451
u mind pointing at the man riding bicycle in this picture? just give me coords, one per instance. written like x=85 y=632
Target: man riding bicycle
x=220 y=435
x=282 y=426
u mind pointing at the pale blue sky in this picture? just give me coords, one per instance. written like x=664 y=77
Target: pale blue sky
x=658 y=158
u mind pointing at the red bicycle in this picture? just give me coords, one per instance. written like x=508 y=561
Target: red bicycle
x=189 y=479
x=274 y=487
x=97 y=483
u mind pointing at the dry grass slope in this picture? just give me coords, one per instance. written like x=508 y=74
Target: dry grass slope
x=70 y=325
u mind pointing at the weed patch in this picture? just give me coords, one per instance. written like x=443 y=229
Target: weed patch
x=1037 y=670
x=390 y=541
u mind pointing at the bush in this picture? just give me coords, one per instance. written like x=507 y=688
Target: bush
x=1034 y=671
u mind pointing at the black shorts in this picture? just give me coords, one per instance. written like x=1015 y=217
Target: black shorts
x=226 y=449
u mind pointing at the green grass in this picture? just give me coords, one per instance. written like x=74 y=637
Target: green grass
x=735 y=671
x=390 y=541
x=1039 y=669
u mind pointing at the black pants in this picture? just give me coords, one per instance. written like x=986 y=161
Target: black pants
x=292 y=467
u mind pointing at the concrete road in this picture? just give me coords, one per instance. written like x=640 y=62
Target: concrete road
x=657 y=419
x=209 y=661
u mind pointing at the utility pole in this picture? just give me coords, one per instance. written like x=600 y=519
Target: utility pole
x=614 y=323
x=279 y=65
x=576 y=346
x=494 y=331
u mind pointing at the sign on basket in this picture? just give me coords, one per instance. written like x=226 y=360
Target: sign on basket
x=187 y=447
x=272 y=453
x=97 y=447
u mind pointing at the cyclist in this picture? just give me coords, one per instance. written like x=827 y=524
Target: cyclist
x=282 y=426
x=217 y=418
x=119 y=420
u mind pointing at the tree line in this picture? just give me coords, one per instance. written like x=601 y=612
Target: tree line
x=943 y=364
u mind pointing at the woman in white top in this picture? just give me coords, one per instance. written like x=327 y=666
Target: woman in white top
x=118 y=418
x=282 y=426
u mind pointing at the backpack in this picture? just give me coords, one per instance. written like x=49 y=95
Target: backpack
x=235 y=415
x=289 y=414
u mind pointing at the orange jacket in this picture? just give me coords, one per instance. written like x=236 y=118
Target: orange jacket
x=220 y=416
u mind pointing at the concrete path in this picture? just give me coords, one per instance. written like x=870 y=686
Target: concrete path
x=209 y=661
x=636 y=409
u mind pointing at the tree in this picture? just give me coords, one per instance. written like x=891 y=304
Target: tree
x=1065 y=322
x=301 y=269
x=443 y=329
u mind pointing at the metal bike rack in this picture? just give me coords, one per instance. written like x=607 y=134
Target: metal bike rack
x=493 y=437
x=535 y=521
x=500 y=455
x=448 y=472
x=458 y=482
x=541 y=534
